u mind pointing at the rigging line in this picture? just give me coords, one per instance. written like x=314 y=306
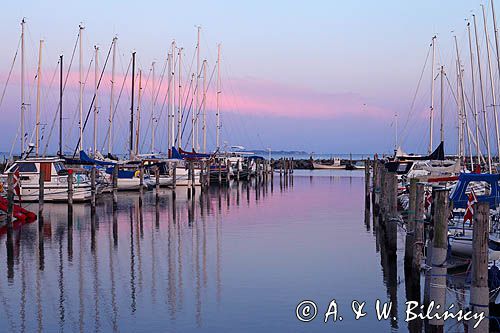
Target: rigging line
x=93 y=98
x=117 y=102
x=412 y=105
x=64 y=89
x=189 y=110
x=10 y=72
x=157 y=92
x=75 y=113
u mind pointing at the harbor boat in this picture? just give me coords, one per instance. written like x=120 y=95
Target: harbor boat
x=335 y=164
x=461 y=245
x=165 y=175
x=55 y=180
x=129 y=177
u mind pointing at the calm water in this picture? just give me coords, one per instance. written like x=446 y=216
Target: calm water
x=233 y=260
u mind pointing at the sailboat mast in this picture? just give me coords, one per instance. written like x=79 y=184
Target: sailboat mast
x=198 y=73
x=218 y=92
x=441 y=129
x=38 y=82
x=169 y=102
x=463 y=106
x=204 y=124
x=131 y=140
x=172 y=97
x=459 y=112
x=431 y=111
x=492 y=84
x=112 y=99
x=80 y=39
x=60 y=104
x=179 y=109
x=483 y=106
x=23 y=105
x=137 y=130
x=474 y=106
x=153 y=104
x=96 y=99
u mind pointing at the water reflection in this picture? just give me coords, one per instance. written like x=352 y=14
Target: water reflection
x=169 y=263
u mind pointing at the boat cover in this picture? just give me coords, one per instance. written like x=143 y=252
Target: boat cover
x=460 y=198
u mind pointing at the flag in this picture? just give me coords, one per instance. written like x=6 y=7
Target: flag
x=469 y=211
x=428 y=199
x=17 y=183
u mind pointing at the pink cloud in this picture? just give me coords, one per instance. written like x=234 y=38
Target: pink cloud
x=266 y=97
x=256 y=96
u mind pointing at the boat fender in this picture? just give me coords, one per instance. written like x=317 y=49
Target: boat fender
x=137 y=173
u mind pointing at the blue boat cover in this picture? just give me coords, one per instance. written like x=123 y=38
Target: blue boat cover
x=122 y=174
x=85 y=158
x=460 y=198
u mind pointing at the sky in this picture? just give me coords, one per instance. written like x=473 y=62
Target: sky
x=322 y=76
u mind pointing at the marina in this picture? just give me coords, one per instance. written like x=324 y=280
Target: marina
x=220 y=169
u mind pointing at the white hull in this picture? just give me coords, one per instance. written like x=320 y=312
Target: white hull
x=327 y=166
x=462 y=246
x=181 y=177
x=55 y=193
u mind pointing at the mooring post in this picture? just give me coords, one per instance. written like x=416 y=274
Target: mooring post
x=202 y=176
x=418 y=237
x=141 y=179
x=439 y=252
x=367 y=184
x=228 y=169
x=10 y=201
x=479 y=292
x=383 y=193
x=220 y=171
x=392 y=213
x=115 y=186
x=238 y=164
x=208 y=174
x=41 y=190
x=174 y=175
x=292 y=165
x=193 y=179
x=281 y=167
x=188 y=180
x=70 y=196
x=92 y=188
x=174 y=184
x=410 y=225
x=157 y=182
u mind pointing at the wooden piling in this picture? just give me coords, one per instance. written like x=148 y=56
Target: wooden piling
x=10 y=202
x=479 y=293
x=228 y=168
x=410 y=224
x=93 y=187
x=115 y=186
x=439 y=266
x=188 y=180
x=193 y=179
x=174 y=175
x=41 y=192
x=157 y=182
x=70 y=196
x=367 y=184
x=141 y=179
x=220 y=172
x=238 y=170
x=418 y=237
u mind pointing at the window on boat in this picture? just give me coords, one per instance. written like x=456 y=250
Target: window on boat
x=59 y=166
x=26 y=167
x=479 y=188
